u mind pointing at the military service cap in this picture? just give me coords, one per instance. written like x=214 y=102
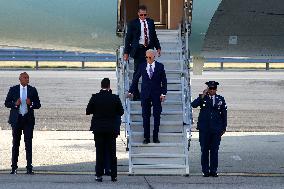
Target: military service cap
x=212 y=83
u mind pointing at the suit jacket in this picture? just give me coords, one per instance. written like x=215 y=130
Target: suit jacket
x=13 y=95
x=133 y=36
x=211 y=118
x=155 y=86
x=107 y=111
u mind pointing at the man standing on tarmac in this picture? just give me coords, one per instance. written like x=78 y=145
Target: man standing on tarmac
x=212 y=123
x=107 y=111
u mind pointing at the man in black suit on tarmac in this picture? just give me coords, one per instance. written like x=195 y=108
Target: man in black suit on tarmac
x=107 y=110
x=22 y=99
x=141 y=36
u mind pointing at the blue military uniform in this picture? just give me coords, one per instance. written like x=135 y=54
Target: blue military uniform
x=212 y=122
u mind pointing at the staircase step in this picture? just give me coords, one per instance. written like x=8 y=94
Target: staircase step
x=176 y=117
x=169 y=81
x=169 y=64
x=160 y=166
x=137 y=137
x=158 y=171
x=158 y=160
x=166 y=31
x=171 y=54
x=170 y=87
x=174 y=95
x=169 y=112
x=153 y=149
x=171 y=74
x=137 y=144
x=168 y=38
x=171 y=127
x=166 y=106
x=174 y=44
x=158 y=155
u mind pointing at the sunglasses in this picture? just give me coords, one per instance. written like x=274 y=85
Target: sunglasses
x=148 y=57
x=142 y=14
x=212 y=88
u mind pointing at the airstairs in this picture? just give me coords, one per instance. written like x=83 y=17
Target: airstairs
x=171 y=156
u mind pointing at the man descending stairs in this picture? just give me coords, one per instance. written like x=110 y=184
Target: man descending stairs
x=170 y=156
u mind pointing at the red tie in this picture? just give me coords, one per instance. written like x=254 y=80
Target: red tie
x=145 y=34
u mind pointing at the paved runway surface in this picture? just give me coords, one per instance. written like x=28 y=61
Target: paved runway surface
x=138 y=182
x=254 y=98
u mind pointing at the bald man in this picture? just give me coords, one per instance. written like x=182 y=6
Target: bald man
x=153 y=92
x=22 y=99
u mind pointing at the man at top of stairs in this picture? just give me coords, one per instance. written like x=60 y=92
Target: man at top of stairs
x=141 y=36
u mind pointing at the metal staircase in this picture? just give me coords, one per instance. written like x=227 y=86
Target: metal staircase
x=171 y=156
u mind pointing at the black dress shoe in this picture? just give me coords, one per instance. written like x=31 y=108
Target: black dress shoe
x=30 y=172
x=13 y=172
x=214 y=174
x=113 y=179
x=146 y=141
x=156 y=140
x=206 y=174
x=99 y=179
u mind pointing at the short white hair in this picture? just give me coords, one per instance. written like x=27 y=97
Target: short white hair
x=151 y=51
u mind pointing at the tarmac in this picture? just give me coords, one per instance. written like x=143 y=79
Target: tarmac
x=250 y=156
x=66 y=159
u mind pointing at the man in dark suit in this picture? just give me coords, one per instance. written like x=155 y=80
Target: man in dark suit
x=22 y=100
x=141 y=36
x=107 y=110
x=153 y=92
x=212 y=123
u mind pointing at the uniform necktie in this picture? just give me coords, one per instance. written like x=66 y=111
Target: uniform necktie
x=212 y=100
x=23 y=107
x=145 y=34
x=151 y=72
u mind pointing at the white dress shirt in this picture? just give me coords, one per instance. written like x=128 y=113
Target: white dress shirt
x=148 y=68
x=142 y=36
x=213 y=99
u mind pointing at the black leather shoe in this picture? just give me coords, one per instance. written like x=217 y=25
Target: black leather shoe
x=146 y=141
x=113 y=179
x=214 y=174
x=13 y=172
x=156 y=140
x=206 y=174
x=30 y=172
x=99 y=179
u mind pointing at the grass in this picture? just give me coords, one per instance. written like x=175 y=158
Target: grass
x=246 y=65
x=25 y=64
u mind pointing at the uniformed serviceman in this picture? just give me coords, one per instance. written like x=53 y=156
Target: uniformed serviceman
x=212 y=123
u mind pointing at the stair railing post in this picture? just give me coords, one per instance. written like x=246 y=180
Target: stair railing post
x=267 y=66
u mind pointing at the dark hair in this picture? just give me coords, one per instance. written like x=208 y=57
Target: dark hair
x=105 y=83
x=142 y=7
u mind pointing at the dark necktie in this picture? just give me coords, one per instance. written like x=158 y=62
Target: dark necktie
x=151 y=72
x=212 y=100
x=145 y=34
